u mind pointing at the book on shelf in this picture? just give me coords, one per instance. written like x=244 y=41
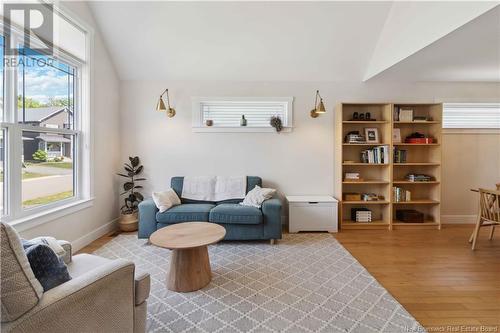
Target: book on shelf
x=352 y=176
x=399 y=155
x=412 y=177
x=400 y=194
x=376 y=155
x=361 y=215
x=405 y=115
x=354 y=137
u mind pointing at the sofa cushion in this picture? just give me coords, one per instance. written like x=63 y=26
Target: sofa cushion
x=20 y=290
x=185 y=213
x=235 y=214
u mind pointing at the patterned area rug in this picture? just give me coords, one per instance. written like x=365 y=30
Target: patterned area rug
x=305 y=283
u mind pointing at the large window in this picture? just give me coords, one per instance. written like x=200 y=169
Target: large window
x=471 y=115
x=241 y=114
x=43 y=147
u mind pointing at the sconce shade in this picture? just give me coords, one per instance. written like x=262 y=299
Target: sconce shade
x=321 y=107
x=318 y=107
x=161 y=105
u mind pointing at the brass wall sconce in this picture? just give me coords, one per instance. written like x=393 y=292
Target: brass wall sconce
x=318 y=107
x=161 y=105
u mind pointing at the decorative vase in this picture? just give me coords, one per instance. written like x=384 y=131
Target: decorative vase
x=209 y=122
x=128 y=222
x=243 y=121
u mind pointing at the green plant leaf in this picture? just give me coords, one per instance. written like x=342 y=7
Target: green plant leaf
x=128 y=186
x=138 y=186
x=139 y=170
x=139 y=196
x=139 y=179
x=131 y=174
x=129 y=169
x=121 y=174
x=134 y=161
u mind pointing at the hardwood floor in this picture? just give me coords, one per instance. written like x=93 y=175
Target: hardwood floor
x=432 y=273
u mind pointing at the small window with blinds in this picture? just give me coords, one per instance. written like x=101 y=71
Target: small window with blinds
x=471 y=115
x=241 y=114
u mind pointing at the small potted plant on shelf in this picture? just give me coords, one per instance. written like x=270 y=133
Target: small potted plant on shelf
x=128 y=218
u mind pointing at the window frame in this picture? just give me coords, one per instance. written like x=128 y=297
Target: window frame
x=199 y=127
x=14 y=213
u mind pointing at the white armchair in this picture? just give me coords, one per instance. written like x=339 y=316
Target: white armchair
x=102 y=296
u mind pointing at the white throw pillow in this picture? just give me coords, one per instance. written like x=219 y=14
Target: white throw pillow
x=257 y=196
x=165 y=200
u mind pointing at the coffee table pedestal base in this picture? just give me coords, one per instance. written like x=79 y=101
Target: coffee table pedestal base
x=189 y=269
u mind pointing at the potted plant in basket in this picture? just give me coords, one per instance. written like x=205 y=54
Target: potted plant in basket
x=128 y=218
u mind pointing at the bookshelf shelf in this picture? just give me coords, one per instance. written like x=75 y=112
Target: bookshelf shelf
x=366 y=164
x=417 y=164
x=362 y=202
x=365 y=182
x=416 y=144
x=417 y=183
x=365 y=122
x=416 y=122
x=380 y=178
x=365 y=144
x=377 y=222
x=416 y=202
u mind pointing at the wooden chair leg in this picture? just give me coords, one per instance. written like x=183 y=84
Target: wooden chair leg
x=492 y=232
x=476 y=232
x=472 y=235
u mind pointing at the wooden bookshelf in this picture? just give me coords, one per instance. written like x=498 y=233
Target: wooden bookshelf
x=381 y=178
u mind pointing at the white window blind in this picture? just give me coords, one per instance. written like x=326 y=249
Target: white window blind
x=225 y=114
x=471 y=115
x=229 y=113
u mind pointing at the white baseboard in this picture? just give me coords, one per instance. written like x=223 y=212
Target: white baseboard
x=458 y=219
x=92 y=236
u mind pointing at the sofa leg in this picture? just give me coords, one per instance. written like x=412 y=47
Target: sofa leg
x=272 y=241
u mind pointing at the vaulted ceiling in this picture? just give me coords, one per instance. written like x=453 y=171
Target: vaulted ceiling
x=290 y=41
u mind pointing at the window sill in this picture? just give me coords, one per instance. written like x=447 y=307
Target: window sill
x=31 y=221
x=471 y=131
x=239 y=129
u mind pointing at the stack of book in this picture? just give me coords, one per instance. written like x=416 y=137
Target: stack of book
x=363 y=216
x=400 y=194
x=352 y=177
x=399 y=155
x=405 y=115
x=376 y=155
x=354 y=138
x=412 y=177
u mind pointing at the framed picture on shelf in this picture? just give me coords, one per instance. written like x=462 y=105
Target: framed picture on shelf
x=396 y=135
x=371 y=135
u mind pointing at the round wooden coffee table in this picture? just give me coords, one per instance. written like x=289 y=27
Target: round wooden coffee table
x=189 y=263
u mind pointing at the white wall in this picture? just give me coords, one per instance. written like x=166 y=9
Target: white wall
x=300 y=162
x=85 y=225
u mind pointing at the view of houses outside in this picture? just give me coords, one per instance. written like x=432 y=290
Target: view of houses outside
x=45 y=100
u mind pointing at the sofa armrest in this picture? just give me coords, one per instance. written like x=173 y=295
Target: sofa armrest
x=101 y=300
x=147 y=218
x=271 y=209
x=67 y=247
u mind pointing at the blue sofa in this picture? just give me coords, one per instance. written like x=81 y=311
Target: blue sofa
x=240 y=222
